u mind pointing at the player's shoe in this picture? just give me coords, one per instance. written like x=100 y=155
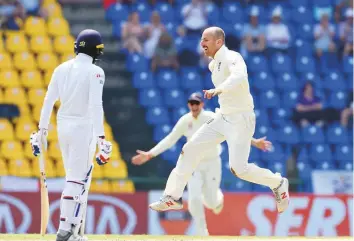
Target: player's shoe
x=166 y=203
x=281 y=194
x=69 y=236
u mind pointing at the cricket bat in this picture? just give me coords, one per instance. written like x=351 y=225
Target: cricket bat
x=44 y=196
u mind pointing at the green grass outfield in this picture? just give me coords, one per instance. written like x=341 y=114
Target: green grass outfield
x=36 y=237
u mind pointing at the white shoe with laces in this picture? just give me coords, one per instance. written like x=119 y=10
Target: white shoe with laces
x=166 y=203
x=281 y=194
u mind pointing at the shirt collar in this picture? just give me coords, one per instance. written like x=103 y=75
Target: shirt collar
x=220 y=53
x=84 y=58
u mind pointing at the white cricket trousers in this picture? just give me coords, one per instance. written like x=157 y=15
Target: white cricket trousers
x=204 y=190
x=237 y=129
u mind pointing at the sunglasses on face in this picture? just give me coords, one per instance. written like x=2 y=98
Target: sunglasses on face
x=194 y=102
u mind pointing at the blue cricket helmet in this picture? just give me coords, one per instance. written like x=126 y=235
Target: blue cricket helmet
x=89 y=42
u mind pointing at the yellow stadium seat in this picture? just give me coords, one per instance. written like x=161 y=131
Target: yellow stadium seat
x=12 y=150
x=97 y=172
x=24 y=128
x=115 y=169
x=101 y=186
x=1 y=44
x=53 y=9
x=9 y=78
x=5 y=61
x=52 y=132
x=16 y=43
x=24 y=61
x=32 y=79
x=47 y=76
x=116 y=155
x=108 y=132
x=48 y=165
x=20 y=167
x=66 y=57
x=126 y=186
x=27 y=152
x=58 y=27
x=24 y=109
x=35 y=26
x=3 y=168
x=6 y=130
x=15 y=96
x=47 y=61
x=36 y=113
x=46 y=2
x=36 y=96
x=64 y=44
x=41 y=44
x=1 y=96
x=60 y=168
x=54 y=150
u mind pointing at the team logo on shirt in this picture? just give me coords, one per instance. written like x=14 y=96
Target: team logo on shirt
x=209 y=121
x=100 y=76
x=219 y=66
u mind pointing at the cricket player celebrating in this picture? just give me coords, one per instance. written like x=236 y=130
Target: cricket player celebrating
x=78 y=84
x=234 y=122
x=204 y=185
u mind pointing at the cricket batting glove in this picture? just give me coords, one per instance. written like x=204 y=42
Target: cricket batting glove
x=105 y=151
x=38 y=140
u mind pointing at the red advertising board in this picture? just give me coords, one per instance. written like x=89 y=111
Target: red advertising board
x=118 y=214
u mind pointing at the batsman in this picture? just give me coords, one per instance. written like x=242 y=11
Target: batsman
x=78 y=85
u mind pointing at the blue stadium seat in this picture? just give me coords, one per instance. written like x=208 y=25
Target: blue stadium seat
x=328 y=62
x=166 y=12
x=275 y=154
x=233 y=29
x=281 y=63
x=208 y=84
x=171 y=28
x=289 y=134
x=304 y=64
x=290 y=98
x=262 y=13
x=117 y=29
x=191 y=79
x=344 y=153
x=233 y=12
x=287 y=82
x=212 y=13
x=186 y=44
x=225 y=153
x=117 y=13
x=312 y=134
x=336 y=134
x=322 y=3
x=177 y=113
x=261 y=117
x=280 y=116
x=303 y=47
x=347 y=165
x=161 y=131
x=255 y=155
x=325 y=165
x=313 y=77
x=239 y=185
x=259 y=188
x=137 y=63
x=263 y=80
x=338 y=100
x=144 y=11
x=320 y=153
x=349 y=81
x=348 y=65
x=301 y=15
x=305 y=32
x=150 y=97
x=262 y=130
x=167 y=79
x=174 y=98
x=172 y=154
x=269 y=99
x=143 y=80
x=257 y=63
x=334 y=82
x=298 y=3
x=303 y=155
x=278 y=166
x=157 y=116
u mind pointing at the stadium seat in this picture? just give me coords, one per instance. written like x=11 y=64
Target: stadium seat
x=312 y=134
x=177 y=113
x=36 y=113
x=9 y=78
x=172 y=154
x=304 y=64
x=191 y=79
x=6 y=130
x=280 y=116
x=100 y=186
x=35 y=26
x=161 y=131
x=165 y=11
x=305 y=32
x=24 y=128
x=336 y=134
x=53 y=9
x=32 y=79
x=174 y=98
x=289 y=99
x=115 y=169
x=12 y=150
x=40 y=44
x=304 y=170
x=262 y=117
x=338 y=100
x=2 y=48
x=54 y=150
x=257 y=63
x=303 y=155
x=347 y=165
x=15 y=96
x=328 y=62
x=232 y=12
x=238 y=185
x=1 y=96
x=157 y=116
x=47 y=61
x=52 y=132
x=63 y=44
x=150 y=97
x=262 y=130
x=348 y=65
x=143 y=80
x=269 y=99
x=276 y=153
x=126 y=186
x=97 y=173
x=16 y=43
x=67 y=56
x=334 y=82
x=263 y=81
x=36 y=96
x=60 y=171
x=3 y=168
x=255 y=154
x=287 y=81
x=117 y=13
x=137 y=63
x=20 y=168
x=167 y=79
x=288 y=134
x=278 y=166
x=47 y=76
x=142 y=8
x=281 y=63
x=5 y=61
x=24 y=61
x=303 y=47
x=50 y=170
x=325 y=165
x=58 y=27
x=301 y=15
x=344 y=153
x=320 y=153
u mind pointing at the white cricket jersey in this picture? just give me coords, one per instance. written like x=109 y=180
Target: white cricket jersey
x=229 y=74
x=186 y=126
x=78 y=84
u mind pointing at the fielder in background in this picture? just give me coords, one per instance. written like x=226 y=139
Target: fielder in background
x=204 y=185
x=78 y=84
x=234 y=122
